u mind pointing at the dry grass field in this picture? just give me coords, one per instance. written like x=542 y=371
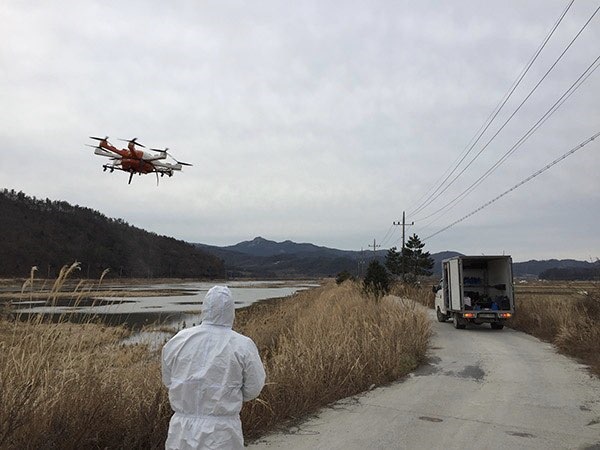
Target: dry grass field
x=566 y=314
x=420 y=293
x=328 y=344
x=74 y=386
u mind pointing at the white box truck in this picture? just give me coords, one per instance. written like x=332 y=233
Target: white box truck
x=476 y=289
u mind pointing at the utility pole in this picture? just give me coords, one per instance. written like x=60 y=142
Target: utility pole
x=404 y=225
x=375 y=247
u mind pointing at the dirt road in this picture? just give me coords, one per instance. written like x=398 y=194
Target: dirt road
x=482 y=389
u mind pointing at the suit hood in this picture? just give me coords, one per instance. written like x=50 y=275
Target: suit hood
x=218 y=307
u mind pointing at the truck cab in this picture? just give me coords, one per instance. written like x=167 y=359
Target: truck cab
x=476 y=289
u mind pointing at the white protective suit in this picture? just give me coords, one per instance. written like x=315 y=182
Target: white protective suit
x=209 y=370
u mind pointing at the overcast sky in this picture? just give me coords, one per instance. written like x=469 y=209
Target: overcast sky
x=314 y=121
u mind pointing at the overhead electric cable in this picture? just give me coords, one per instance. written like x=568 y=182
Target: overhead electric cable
x=385 y=237
x=511 y=116
x=475 y=139
x=529 y=178
x=563 y=98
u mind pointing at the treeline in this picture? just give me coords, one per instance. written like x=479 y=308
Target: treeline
x=571 y=274
x=49 y=234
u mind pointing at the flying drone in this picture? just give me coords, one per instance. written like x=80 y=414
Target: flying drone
x=134 y=160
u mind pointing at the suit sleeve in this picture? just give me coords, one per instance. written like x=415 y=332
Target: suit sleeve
x=165 y=369
x=254 y=373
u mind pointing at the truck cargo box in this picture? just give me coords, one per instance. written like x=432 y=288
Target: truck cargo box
x=476 y=289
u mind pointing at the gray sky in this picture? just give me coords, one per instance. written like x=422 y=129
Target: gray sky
x=314 y=121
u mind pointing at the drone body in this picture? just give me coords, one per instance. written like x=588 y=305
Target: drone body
x=134 y=160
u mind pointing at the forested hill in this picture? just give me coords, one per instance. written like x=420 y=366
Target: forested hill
x=49 y=234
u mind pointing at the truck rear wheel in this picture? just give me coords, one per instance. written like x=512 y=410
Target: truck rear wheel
x=441 y=317
x=496 y=326
x=458 y=323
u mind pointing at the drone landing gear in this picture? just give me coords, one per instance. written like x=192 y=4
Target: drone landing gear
x=130 y=176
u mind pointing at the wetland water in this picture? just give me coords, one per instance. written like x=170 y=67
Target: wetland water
x=175 y=311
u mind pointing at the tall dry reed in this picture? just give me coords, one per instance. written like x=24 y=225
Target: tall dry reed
x=329 y=344
x=29 y=281
x=63 y=275
x=70 y=386
x=421 y=293
x=75 y=386
x=567 y=315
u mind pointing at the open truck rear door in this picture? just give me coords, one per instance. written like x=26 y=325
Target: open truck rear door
x=455 y=290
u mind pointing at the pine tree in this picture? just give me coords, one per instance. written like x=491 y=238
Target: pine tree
x=416 y=262
x=376 y=280
x=393 y=261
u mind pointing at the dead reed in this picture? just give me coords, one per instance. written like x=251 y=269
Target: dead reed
x=565 y=314
x=328 y=344
x=64 y=274
x=421 y=293
x=29 y=281
x=74 y=386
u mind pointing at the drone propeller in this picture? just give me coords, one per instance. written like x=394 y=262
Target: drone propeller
x=166 y=152
x=179 y=162
x=133 y=141
x=99 y=138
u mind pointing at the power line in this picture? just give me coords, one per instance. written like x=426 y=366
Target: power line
x=529 y=178
x=432 y=199
x=475 y=139
x=563 y=98
x=489 y=120
x=385 y=237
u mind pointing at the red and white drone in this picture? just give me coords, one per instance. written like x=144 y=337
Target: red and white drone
x=133 y=160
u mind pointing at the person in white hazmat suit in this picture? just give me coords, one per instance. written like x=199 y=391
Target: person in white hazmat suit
x=209 y=371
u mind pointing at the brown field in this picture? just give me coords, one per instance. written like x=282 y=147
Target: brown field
x=566 y=314
x=77 y=386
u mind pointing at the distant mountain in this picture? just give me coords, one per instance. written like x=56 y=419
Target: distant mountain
x=49 y=234
x=264 y=258
x=535 y=268
x=572 y=273
x=263 y=247
x=261 y=257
